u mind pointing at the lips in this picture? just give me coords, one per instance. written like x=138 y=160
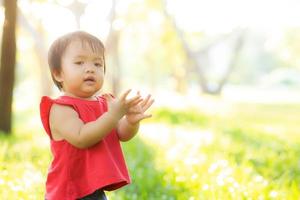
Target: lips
x=89 y=79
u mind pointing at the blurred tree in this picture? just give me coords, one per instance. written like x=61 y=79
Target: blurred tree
x=7 y=68
x=289 y=48
x=197 y=56
x=149 y=48
x=77 y=9
x=37 y=33
x=112 y=48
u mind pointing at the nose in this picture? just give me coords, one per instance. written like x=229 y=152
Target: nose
x=90 y=68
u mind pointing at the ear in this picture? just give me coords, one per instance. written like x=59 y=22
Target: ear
x=57 y=76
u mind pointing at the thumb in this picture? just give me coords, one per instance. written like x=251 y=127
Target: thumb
x=145 y=116
x=107 y=97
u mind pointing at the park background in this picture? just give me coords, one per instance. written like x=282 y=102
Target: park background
x=225 y=76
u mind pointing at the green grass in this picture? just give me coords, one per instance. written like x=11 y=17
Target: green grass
x=251 y=151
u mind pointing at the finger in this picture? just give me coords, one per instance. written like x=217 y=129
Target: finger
x=141 y=117
x=110 y=97
x=133 y=99
x=134 y=108
x=146 y=100
x=149 y=103
x=145 y=116
x=105 y=94
x=134 y=111
x=136 y=102
x=107 y=97
x=123 y=97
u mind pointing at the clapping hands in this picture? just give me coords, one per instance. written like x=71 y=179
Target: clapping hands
x=133 y=108
x=137 y=111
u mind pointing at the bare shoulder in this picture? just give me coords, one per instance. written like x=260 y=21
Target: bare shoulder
x=58 y=110
x=60 y=113
x=61 y=117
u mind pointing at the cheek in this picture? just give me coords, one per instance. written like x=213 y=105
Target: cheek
x=101 y=80
x=73 y=73
x=100 y=74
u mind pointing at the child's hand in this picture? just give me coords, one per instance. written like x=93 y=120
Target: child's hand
x=118 y=107
x=137 y=111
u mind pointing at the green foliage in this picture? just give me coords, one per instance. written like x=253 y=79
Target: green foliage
x=24 y=162
x=176 y=117
x=288 y=50
x=245 y=160
x=148 y=183
x=250 y=153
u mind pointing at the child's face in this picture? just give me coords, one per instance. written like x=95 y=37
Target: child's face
x=82 y=70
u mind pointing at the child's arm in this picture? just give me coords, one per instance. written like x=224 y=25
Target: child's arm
x=128 y=126
x=126 y=131
x=66 y=124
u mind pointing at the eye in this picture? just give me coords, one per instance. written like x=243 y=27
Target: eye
x=79 y=62
x=98 y=64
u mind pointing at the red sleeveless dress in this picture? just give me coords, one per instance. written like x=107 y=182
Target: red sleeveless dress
x=75 y=173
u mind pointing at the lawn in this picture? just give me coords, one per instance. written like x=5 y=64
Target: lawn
x=242 y=151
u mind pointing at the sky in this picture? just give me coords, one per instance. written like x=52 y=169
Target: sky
x=215 y=16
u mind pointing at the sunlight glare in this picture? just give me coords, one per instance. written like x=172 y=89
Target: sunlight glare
x=205 y=187
x=65 y=2
x=273 y=194
x=155 y=20
x=258 y=179
x=31 y=177
x=223 y=16
x=118 y=24
x=180 y=178
x=123 y=7
x=26 y=6
x=23 y=43
x=57 y=20
x=95 y=18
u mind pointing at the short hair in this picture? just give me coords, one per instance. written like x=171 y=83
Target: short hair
x=59 y=46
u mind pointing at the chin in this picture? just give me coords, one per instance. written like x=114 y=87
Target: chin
x=89 y=94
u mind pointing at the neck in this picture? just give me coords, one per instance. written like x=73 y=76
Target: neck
x=79 y=97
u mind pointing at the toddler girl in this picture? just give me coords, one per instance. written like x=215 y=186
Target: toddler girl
x=85 y=129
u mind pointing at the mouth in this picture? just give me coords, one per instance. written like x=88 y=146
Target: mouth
x=89 y=79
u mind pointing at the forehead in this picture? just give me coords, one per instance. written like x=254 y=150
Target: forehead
x=80 y=47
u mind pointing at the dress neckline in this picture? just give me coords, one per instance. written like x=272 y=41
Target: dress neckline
x=80 y=99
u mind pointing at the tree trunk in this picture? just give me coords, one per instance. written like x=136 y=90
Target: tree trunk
x=113 y=52
x=7 y=68
x=237 y=48
x=112 y=48
x=195 y=56
x=191 y=55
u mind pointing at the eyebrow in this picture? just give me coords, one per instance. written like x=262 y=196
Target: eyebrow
x=83 y=57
